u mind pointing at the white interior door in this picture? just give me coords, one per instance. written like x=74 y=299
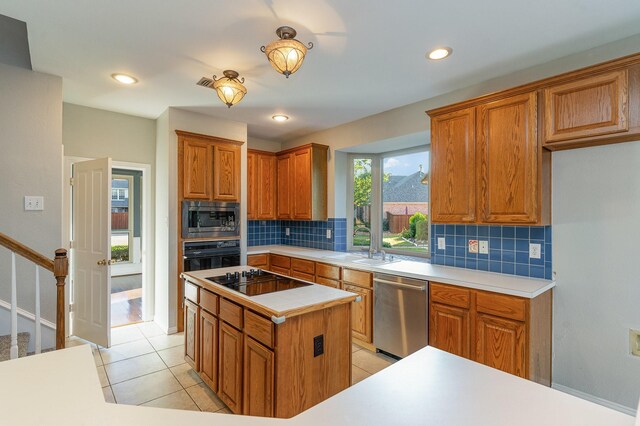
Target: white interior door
x=91 y=314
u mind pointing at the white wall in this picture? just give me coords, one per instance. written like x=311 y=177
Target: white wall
x=30 y=164
x=596 y=227
x=263 y=144
x=167 y=195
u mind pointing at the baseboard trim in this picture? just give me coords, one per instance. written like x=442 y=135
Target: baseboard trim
x=172 y=330
x=600 y=401
x=26 y=314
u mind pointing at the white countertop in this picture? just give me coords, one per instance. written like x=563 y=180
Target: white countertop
x=489 y=281
x=280 y=303
x=430 y=387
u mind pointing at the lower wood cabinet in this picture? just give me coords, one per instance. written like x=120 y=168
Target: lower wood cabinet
x=209 y=349
x=510 y=333
x=230 y=367
x=362 y=314
x=191 y=334
x=258 y=260
x=258 y=379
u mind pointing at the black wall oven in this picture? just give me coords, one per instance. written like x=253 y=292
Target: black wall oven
x=210 y=219
x=199 y=255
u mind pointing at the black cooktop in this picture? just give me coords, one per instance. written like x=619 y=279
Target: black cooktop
x=256 y=281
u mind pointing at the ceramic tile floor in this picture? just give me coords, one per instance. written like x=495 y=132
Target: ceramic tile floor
x=146 y=367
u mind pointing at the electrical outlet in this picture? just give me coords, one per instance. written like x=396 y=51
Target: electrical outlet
x=534 y=251
x=286 y=231
x=442 y=243
x=328 y=234
x=634 y=342
x=318 y=345
x=473 y=246
x=33 y=202
x=484 y=247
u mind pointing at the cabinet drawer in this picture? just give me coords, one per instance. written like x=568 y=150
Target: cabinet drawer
x=279 y=270
x=209 y=302
x=502 y=306
x=328 y=271
x=191 y=292
x=359 y=278
x=259 y=328
x=301 y=265
x=260 y=260
x=280 y=261
x=303 y=276
x=328 y=282
x=231 y=313
x=449 y=295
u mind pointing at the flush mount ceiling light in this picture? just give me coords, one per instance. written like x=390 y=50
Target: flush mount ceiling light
x=124 y=78
x=280 y=118
x=439 y=53
x=287 y=54
x=229 y=88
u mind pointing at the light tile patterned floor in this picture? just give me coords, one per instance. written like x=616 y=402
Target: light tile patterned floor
x=146 y=367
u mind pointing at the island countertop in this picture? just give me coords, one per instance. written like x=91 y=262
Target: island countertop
x=277 y=305
x=499 y=283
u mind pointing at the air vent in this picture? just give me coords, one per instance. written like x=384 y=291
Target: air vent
x=205 y=82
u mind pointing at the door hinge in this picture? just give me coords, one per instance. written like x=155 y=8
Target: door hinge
x=70 y=244
x=71 y=307
x=71 y=181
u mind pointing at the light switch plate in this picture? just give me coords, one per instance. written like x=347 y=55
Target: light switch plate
x=286 y=231
x=32 y=202
x=473 y=246
x=534 y=251
x=328 y=234
x=484 y=247
x=634 y=342
x=441 y=243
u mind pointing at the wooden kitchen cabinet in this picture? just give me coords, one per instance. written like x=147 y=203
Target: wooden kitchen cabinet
x=510 y=333
x=258 y=260
x=302 y=183
x=230 y=367
x=361 y=313
x=209 y=349
x=261 y=185
x=280 y=264
x=191 y=334
x=258 y=379
x=453 y=175
x=303 y=269
x=196 y=169
x=226 y=172
x=329 y=275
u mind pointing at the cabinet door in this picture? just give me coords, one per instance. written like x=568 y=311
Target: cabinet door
x=302 y=184
x=253 y=185
x=196 y=170
x=230 y=367
x=191 y=334
x=509 y=159
x=453 y=167
x=266 y=183
x=587 y=107
x=209 y=349
x=258 y=380
x=284 y=195
x=500 y=343
x=226 y=172
x=449 y=329
x=361 y=314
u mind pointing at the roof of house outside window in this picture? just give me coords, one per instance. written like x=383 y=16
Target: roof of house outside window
x=405 y=189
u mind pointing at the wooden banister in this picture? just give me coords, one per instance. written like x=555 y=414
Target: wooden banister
x=59 y=266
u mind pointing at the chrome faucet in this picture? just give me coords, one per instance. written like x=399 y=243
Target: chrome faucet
x=372 y=250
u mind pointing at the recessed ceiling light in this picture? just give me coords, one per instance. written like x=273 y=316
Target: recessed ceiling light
x=280 y=117
x=124 y=78
x=439 y=53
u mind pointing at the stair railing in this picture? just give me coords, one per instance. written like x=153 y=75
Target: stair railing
x=59 y=266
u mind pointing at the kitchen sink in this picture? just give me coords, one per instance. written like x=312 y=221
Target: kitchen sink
x=374 y=262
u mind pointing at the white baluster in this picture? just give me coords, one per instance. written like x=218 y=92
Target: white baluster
x=38 y=328
x=14 y=310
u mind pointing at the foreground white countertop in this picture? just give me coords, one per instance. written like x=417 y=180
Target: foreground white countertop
x=489 y=281
x=430 y=387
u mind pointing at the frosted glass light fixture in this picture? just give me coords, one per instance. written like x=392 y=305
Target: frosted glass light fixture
x=287 y=54
x=229 y=88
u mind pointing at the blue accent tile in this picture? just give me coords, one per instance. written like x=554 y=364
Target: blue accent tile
x=536 y=233
x=471 y=255
x=459 y=262
x=522 y=232
x=460 y=252
x=461 y=241
x=483 y=265
x=508 y=232
x=450 y=240
x=508 y=268
x=439 y=229
x=495 y=267
x=522 y=245
x=495 y=255
x=522 y=257
x=508 y=256
x=547 y=252
x=472 y=230
x=471 y=264
x=547 y=234
x=449 y=261
x=461 y=230
x=508 y=244
x=450 y=230
x=536 y=271
x=539 y=262
x=522 y=270
x=450 y=251
x=483 y=231
x=495 y=243
x=495 y=231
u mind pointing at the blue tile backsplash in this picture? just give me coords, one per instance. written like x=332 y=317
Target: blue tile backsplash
x=508 y=248
x=302 y=233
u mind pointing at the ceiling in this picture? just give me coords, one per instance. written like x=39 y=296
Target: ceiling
x=368 y=55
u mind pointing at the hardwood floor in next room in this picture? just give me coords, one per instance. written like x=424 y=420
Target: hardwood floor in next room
x=146 y=367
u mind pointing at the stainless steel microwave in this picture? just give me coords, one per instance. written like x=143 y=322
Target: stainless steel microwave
x=210 y=219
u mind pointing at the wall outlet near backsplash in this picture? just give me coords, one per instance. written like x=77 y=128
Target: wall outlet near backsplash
x=473 y=246
x=483 y=247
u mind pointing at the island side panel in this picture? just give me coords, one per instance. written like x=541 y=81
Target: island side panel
x=302 y=379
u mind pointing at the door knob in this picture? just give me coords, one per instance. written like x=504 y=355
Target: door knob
x=104 y=262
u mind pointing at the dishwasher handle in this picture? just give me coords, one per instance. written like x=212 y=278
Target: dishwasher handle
x=400 y=285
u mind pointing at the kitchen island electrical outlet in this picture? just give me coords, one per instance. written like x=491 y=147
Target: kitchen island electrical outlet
x=318 y=345
x=286 y=231
x=328 y=234
x=534 y=251
x=441 y=243
x=33 y=203
x=634 y=342
x=473 y=246
x=484 y=247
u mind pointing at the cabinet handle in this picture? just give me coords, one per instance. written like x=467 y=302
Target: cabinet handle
x=406 y=286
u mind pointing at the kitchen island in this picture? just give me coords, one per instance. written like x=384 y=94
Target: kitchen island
x=274 y=354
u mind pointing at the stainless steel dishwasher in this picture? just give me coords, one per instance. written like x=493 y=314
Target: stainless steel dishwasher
x=400 y=316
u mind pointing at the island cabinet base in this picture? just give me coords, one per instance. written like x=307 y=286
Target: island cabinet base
x=264 y=369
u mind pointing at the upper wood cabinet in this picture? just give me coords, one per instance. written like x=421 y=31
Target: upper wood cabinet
x=261 y=185
x=508 y=161
x=453 y=176
x=302 y=183
x=208 y=168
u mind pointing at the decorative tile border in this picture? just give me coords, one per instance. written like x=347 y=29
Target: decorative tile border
x=302 y=233
x=508 y=249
